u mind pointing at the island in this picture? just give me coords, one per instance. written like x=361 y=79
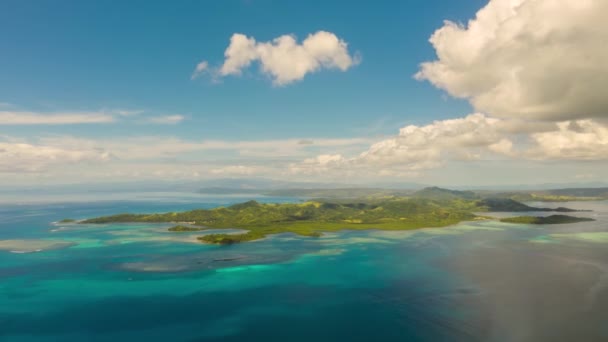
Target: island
x=553 y=219
x=181 y=228
x=426 y=208
x=67 y=220
x=510 y=205
x=228 y=239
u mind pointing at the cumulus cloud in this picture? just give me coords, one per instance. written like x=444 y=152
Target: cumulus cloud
x=30 y=118
x=573 y=140
x=539 y=59
x=474 y=137
x=283 y=58
x=421 y=147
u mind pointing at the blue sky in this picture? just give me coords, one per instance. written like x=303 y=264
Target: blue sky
x=87 y=56
x=129 y=64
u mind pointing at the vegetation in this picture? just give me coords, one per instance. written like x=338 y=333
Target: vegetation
x=228 y=239
x=180 y=228
x=311 y=218
x=67 y=220
x=431 y=207
x=553 y=219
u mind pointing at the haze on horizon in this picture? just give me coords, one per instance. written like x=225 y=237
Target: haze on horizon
x=436 y=92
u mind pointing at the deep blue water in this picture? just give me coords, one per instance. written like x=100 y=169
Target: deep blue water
x=476 y=281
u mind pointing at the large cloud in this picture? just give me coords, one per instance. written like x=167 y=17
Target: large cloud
x=540 y=59
x=474 y=137
x=283 y=58
x=59 y=154
x=419 y=148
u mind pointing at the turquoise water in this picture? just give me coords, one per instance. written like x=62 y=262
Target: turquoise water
x=484 y=281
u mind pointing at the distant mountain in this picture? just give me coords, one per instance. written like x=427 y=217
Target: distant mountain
x=581 y=192
x=339 y=193
x=230 y=191
x=437 y=193
x=532 y=187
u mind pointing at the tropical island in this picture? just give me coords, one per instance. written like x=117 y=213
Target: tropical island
x=429 y=207
x=553 y=219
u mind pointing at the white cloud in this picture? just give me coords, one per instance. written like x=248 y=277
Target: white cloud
x=200 y=68
x=284 y=59
x=98 y=117
x=25 y=157
x=154 y=147
x=30 y=118
x=421 y=147
x=574 y=140
x=285 y=148
x=167 y=119
x=538 y=59
x=475 y=137
x=128 y=149
x=414 y=152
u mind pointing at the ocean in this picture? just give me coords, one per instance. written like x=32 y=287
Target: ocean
x=474 y=281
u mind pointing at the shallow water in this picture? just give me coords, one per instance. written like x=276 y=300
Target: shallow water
x=486 y=281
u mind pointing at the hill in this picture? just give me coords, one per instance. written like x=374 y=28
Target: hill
x=553 y=219
x=509 y=205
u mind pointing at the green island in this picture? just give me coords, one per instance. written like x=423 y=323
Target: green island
x=429 y=207
x=181 y=228
x=67 y=220
x=228 y=239
x=553 y=219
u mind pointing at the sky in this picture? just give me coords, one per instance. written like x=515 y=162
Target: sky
x=444 y=92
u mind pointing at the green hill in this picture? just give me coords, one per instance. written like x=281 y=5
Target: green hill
x=509 y=205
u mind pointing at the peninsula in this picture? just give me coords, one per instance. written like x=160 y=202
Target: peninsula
x=553 y=219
